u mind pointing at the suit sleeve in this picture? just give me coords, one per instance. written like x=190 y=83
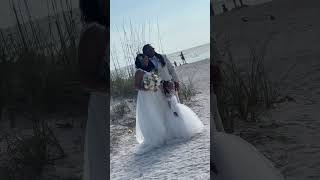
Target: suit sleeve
x=171 y=69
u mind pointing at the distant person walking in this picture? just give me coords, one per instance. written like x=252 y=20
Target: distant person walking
x=182 y=58
x=175 y=63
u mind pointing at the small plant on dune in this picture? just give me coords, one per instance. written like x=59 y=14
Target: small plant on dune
x=27 y=155
x=244 y=92
x=122 y=85
x=120 y=110
x=186 y=90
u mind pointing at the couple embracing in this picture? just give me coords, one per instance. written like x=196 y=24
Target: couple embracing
x=160 y=117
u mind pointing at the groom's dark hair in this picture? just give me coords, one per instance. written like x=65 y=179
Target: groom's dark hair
x=159 y=56
x=91 y=12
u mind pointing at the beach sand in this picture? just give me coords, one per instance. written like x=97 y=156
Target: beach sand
x=182 y=160
x=70 y=137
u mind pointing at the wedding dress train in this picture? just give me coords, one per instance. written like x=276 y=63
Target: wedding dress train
x=156 y=122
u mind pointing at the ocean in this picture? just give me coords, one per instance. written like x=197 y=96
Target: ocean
x=191 y=55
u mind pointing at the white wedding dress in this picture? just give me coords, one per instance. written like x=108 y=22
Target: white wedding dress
x=96 y=154
x=156 y=122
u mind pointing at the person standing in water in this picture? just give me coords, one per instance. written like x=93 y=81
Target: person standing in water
x=182 y=58
x=175 y=63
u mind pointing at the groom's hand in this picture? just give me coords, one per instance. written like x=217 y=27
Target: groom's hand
x=176 y=85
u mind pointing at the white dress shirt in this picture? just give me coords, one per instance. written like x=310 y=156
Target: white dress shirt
x=155 y=61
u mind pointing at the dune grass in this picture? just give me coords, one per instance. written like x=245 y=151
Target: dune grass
x=245 y=92
x=123 y=53
x=26 y=155
x=38 y=74
x=187 y=90
x=122 y=86
x=39 y=65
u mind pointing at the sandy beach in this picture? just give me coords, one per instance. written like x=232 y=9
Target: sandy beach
x=69 y=131
x=180 y=160
x=288 y=133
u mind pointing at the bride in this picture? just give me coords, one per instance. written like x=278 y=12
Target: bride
x=159 y=115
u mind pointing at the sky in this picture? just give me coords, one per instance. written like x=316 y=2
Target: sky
x=182 y=23
x=38 y=9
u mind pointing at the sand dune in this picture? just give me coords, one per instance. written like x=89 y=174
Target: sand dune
x=287 y=134
x=182 y=160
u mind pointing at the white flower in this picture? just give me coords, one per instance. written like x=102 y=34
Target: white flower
x=151 y=81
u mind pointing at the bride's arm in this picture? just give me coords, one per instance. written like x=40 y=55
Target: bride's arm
x=138 y=80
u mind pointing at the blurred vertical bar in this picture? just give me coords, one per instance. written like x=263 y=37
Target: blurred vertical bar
x=216 y=123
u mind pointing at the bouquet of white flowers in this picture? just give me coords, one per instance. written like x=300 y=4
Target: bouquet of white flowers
x=151 y=81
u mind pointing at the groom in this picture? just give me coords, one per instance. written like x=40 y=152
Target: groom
x=154 y=58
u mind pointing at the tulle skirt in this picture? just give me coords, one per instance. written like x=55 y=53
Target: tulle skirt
x=156 y=122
